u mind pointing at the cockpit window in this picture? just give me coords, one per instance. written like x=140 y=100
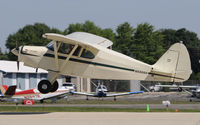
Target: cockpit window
x=87 y=54
x=65 y=48
x=50 y=46
x=77 y=51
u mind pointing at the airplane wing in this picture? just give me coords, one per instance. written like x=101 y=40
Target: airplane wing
x=122 y=94
x=55 y=95
x=176 y=86
x=82 y=93
x=90 y=38
x=65 y=39
x=80 y=38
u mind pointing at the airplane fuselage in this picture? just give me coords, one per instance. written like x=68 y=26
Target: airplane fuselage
x=107 y=64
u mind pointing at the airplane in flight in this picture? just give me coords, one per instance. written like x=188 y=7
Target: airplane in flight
x=9 y=93
x=87 y=55
x=102 y=92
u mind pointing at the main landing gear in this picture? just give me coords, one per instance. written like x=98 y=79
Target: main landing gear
x=45 y=86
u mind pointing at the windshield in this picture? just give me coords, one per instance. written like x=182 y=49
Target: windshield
x=66 y=48
x=50 y=46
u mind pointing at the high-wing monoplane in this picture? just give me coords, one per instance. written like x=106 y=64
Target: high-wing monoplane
x=86 y=55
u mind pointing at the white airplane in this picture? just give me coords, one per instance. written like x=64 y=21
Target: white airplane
x=194 y=93
x=86 y=55
x=101 y=92
x=9 y=93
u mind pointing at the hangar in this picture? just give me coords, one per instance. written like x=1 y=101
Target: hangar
x=25 y=78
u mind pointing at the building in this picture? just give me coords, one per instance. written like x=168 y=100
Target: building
x=25 y=78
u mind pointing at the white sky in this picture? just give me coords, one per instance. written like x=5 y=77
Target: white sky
x=15 y=14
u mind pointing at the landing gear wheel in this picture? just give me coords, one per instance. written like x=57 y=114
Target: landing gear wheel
x=54 y=87
x=44 y=86
x=180 y=89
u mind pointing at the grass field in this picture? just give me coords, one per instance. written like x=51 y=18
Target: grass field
x=81 y=109
x=109 y=101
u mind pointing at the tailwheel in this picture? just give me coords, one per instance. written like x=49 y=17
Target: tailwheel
x=54 y=87
x=44 y=86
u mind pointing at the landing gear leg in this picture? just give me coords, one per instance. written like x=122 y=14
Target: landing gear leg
x=87 y=98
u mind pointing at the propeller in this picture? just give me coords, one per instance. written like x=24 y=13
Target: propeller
x=17 y=50
x=36 y=70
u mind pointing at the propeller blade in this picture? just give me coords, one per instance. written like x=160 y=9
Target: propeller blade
x=36 y=70
x=17 y=48
x=17 y=65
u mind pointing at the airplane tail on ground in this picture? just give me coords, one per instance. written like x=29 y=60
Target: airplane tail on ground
x=7 y=91
x=174 y=65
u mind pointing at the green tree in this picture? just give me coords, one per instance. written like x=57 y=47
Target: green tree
x=0 y=51
x=148 y=44
x=198 y=76
x=124 y=38
x=142 y=43
x=3 y=56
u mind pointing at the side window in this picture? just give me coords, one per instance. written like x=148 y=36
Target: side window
x=77 y=51
x=50 y=46
x=87 y=54
x=65 y=48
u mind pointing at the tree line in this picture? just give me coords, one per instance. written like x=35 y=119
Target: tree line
x=142 y=42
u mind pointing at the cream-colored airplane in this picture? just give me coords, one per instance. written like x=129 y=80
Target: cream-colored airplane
x=87 y=55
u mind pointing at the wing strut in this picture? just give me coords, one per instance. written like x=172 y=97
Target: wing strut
x=56 y=55
x=68 y=57
x=53 y=76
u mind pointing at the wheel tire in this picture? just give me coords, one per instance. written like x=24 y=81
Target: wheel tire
x=44 y=86
x=54 y=87
x=180 y=89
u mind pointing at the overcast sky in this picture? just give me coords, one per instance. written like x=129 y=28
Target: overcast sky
x=15 y=14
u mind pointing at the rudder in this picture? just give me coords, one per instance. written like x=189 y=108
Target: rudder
x=174 y=64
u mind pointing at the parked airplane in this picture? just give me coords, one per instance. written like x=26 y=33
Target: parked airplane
x=101 y=92
x=155 y=88
x=86 y=55
x=10 y=94
x=195 y=92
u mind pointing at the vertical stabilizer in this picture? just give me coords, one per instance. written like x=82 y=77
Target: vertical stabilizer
x=174 y=65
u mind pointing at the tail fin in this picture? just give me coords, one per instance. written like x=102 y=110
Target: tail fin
x=8 y=91
x=174 y=65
